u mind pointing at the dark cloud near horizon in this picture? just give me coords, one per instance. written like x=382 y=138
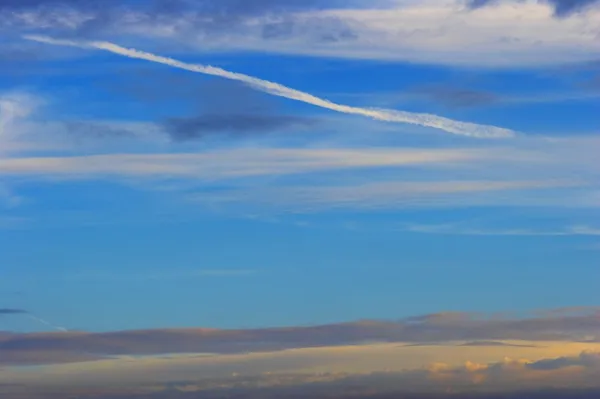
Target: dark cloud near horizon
x=410 y=384
x=352 y=388
x=562 y=8
x=313 y=391
x=425 y=329
x=359 y=387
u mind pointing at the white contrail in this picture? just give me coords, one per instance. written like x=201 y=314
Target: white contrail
x=388 y=115
x=46 y=323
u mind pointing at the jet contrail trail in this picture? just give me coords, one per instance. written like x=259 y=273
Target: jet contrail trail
x=46 y=323
x=276 y=89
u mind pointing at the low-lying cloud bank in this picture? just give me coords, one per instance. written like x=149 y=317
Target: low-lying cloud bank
x=552 y=353
x=357 y=371
x=571 y=326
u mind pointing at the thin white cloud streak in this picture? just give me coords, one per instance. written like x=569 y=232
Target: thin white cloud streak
x=394 y=194
x=276 y=89
x=442 y=178
x=237 y=163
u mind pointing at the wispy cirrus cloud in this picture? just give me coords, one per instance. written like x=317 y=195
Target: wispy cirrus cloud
x=394 y=194
x=223 y=164
x=523 y=174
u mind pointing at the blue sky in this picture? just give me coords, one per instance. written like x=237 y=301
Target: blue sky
x=294 y=214
x=253 y=165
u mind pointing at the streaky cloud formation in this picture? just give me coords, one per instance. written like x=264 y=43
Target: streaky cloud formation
x=420 y=356
x=232 y=163
x=464 y=329
x=426 y=120
x=336 y=361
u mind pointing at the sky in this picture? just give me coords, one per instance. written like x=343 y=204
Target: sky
x=298 y=197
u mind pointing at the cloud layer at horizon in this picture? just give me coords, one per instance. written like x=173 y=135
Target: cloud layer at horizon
x=423 y=354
